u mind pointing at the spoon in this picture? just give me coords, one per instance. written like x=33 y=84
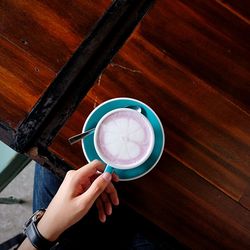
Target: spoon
x=80 y=136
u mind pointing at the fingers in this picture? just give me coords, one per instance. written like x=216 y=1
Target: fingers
x=86 y=172
x=104 y=206
x=107 y=204
x=115 y=177
x=112 y=193
x=96 y=188
x=90 y=169
x=105 y=201
x=101 y=186
x=101 y=212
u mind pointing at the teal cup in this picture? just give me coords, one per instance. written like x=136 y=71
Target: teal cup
x=123 y=139
x=130 y=172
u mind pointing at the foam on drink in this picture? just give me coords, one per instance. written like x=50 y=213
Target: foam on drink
x=124 y=138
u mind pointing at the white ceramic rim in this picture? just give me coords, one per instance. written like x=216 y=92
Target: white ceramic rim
x=130 y=166
x=131 y=99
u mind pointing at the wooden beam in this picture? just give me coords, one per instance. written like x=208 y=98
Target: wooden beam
x=79 y=74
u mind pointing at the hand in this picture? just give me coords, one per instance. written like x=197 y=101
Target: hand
x=76 y=195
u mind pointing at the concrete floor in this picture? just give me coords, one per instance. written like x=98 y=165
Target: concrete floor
x=13 y=216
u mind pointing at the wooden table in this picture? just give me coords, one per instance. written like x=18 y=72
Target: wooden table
x=188 y=60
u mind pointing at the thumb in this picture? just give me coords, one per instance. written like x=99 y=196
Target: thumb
x=97 y=187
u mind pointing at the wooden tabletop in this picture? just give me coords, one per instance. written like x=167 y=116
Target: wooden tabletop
x=188 y=60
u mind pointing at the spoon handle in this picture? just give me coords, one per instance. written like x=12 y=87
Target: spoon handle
x=78 y=137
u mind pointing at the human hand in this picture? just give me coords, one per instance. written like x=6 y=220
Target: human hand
x=76 y=195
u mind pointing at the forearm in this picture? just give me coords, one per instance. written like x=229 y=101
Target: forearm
x=76 y=195
x=26 y=245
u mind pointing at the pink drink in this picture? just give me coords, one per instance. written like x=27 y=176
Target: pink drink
x=124 y=138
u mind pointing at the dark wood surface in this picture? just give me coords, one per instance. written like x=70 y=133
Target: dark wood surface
x=189 y=61
x=78 y=75
x=36 y=39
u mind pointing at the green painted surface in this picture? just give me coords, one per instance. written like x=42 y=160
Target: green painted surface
x=11 y=163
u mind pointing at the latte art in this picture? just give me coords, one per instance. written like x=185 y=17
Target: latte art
x=124 y=138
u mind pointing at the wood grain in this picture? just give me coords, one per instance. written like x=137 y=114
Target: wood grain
x=58 y=27
x=72 y=83
x=209 y=137
x=185 y=205
x=190 y=62
x=36 y=40
x=245 y=198
x=240 y=9
x=72 y=154
x=23 y=80
x=206 y=38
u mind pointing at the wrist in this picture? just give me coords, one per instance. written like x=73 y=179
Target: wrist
x=33 y=234
x=47 y=229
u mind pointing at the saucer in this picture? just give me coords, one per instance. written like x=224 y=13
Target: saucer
x=92 y=120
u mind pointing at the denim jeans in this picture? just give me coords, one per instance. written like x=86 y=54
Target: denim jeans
x=122 y=229
x=46 y=185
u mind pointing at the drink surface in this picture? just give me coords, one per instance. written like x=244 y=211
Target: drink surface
x=124 y=138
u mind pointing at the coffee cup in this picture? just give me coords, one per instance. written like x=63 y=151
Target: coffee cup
x=123 y=139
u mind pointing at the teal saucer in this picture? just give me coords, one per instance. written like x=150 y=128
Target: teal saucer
x=102 y=109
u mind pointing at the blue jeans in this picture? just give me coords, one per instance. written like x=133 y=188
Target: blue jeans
x=121 y=231
x=46 y=185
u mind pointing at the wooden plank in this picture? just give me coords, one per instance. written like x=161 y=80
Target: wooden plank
x=207 y=39
x=72 y=154
x=206 y=148
x=245 y=198
x=177 y=61
x=238 y=8
x=200 y=113
x=78 y=75
x=204 y=11
x=189 y=208
x=22 y=81
x=7 y=134
x=50 y=161
x=176 y=199
x=79 y=15
x=198 y=119
x=49 y=30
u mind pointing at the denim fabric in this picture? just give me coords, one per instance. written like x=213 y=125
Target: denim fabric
x=120 y=232
x=46 y=185
x=141 y=243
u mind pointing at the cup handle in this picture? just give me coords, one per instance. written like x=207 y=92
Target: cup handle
x=109 y=169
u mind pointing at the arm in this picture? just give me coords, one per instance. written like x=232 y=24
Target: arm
x=79 y=190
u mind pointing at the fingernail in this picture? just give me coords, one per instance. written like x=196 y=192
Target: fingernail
x=107 y=176
x=109 y=211
x=116 y=202
x=115 y=177
x=103 y=219
x=96 y=162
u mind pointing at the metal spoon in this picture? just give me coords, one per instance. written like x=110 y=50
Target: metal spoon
x=79 y=137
